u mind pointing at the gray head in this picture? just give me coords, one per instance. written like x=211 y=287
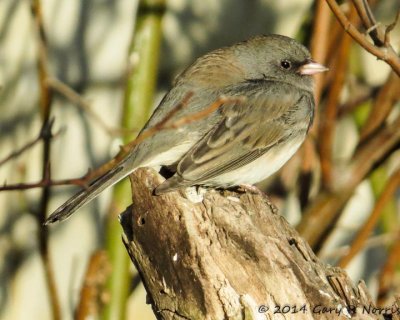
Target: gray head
x=279 y=58
x=272 y=57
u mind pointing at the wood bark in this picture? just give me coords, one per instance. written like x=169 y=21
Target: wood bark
x=230 y=255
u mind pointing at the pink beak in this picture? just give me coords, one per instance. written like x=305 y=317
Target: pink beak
x=312 y=67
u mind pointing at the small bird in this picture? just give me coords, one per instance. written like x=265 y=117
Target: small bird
x=245 y=140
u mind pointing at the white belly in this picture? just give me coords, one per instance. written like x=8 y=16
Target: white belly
x=260 y=168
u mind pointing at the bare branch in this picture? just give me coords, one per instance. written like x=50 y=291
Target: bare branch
x=326 y=207
x=46 y=130
x=389 y=28
x=386 y=98
x=91 y=295
x=84 y=105
x=354 y=102
x=165 y=124
x=374 y=28
x=328 y=118
x=386 y=53
x=46 y=98
x=319 y=42
x=369 y=225
x=47 y=182
x=388 y=272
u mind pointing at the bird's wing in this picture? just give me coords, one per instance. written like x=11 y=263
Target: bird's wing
x=268 y=115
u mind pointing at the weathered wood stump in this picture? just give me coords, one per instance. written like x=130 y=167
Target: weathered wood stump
x=230 y=255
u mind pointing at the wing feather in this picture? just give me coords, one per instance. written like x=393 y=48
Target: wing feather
x=269 y=115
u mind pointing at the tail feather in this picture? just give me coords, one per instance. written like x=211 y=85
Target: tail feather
x=81 y=198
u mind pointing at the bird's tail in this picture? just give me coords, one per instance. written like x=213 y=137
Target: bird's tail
x=95 y=188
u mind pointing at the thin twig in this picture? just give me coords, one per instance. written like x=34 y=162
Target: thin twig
x=47 y=182
x=47 y=127
x=369 y=225
x=161 y=124
x=389 y=29
x=374 y=241
x=374 y=29
x=138 y=99
x=354 y=102
x=92 y=290
x=375 y=151
x=83 y=181
x=319 y=42
x=328 y=118
x=326 y=207
x=165 y=124
x=319 y=51
x=388 y=271
x=46 y=96
x=387 y=97
x=84 y=105
x=387 y=53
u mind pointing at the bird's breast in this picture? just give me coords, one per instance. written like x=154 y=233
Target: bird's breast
x=262 y=167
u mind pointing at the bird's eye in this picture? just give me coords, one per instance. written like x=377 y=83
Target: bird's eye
x=285 y=64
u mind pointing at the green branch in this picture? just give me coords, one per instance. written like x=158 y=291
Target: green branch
x=138 y=102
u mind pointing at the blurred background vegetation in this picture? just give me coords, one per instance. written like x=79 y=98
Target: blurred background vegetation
x=79 y=78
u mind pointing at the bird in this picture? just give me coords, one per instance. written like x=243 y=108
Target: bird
x=269 y=109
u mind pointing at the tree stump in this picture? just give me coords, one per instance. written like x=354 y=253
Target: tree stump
x=230 y=255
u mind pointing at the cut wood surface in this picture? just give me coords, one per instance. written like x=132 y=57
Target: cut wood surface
x=230 y=255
